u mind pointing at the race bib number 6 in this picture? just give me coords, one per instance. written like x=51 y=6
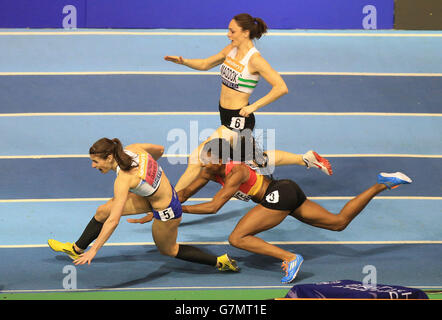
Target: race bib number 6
x=238 y=123
x=166 y=214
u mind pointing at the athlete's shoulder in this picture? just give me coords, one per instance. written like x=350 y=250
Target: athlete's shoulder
x=205 y=174
x=226 y=50
x=125 y=178
x=238 y=169
x=134 y=148
x=257 y=59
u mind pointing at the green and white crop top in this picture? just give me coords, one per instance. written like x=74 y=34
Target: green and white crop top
x=235 y=74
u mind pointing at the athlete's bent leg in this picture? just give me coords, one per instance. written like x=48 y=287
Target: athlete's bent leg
x=255 y=221
x=165 y=235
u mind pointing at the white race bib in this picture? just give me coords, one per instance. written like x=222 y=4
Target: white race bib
x=273 y=197
x=242 y=196
x=238 y=123
x=166 y=214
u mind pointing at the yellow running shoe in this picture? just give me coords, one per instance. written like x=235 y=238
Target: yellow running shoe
x=227 y=264
x=67 y=248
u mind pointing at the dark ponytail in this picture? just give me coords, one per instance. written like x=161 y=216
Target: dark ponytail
x=123 y=159
x=256 y=26
x=105 y=147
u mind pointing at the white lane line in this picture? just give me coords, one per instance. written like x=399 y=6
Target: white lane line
x=342 y=155
x=208 y=199
x=217 y=243
x=145 y=288
x=213 y=113
x=53 y=200
x=220 y=33
x=45 y=156
x=211 y=73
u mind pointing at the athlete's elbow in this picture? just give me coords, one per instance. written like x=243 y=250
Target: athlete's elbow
x=206 y=67
x=181 y=196
x=212 y=211
x=280 y=90
x=160 y=151
x=157 y=152
x=283 y=90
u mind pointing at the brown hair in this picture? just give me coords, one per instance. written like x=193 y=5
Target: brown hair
x=105 y=147
x=256 y=26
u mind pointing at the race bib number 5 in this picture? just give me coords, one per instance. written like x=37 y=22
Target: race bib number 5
x=166 y=214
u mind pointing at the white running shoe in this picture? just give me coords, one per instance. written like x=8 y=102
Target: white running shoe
x=314 y=160
x=393 y=180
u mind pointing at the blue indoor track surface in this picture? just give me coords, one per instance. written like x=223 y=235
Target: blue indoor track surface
x=142 y=267
x=151 y=93
x=369 y=101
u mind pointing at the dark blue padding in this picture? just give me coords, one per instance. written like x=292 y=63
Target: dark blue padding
x=354 y=290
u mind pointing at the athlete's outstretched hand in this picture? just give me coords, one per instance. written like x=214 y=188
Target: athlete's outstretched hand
x=147 y=218
x=85 y=257
x=175 y=59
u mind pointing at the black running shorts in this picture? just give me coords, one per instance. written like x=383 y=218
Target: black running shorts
x=232 y=120
x=283 y=195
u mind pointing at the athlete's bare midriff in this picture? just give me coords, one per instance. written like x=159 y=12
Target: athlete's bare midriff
x=232 y=99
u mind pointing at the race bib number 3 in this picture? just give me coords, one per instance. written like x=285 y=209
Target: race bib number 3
x=273 y=197
x=166 y=214
x=238 y=123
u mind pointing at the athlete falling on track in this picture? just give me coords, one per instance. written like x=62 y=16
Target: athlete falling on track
x=276 y=199
x=140 y=186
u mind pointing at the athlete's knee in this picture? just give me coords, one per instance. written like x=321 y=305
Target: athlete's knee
x=168 y=250
x=339 y=223
x=236 y=240
x=103 y=212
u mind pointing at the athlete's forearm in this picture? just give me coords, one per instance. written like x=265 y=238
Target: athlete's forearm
x=202 y=208
x=183 y=195
x=197 y=64
x=108 y=228
x=273 y=95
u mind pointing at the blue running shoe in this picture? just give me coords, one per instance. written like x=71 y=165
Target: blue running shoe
x=291 y=268
x=393 y=180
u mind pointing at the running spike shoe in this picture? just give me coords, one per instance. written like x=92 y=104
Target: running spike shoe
x=314 y=160
x=66 y=247
x=227 y=264
x=291 y=268
x=393 y=180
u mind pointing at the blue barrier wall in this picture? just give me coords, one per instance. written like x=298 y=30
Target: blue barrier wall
x=195 y=14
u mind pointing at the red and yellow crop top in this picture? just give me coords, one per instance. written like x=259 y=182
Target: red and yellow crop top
x=249 y=188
